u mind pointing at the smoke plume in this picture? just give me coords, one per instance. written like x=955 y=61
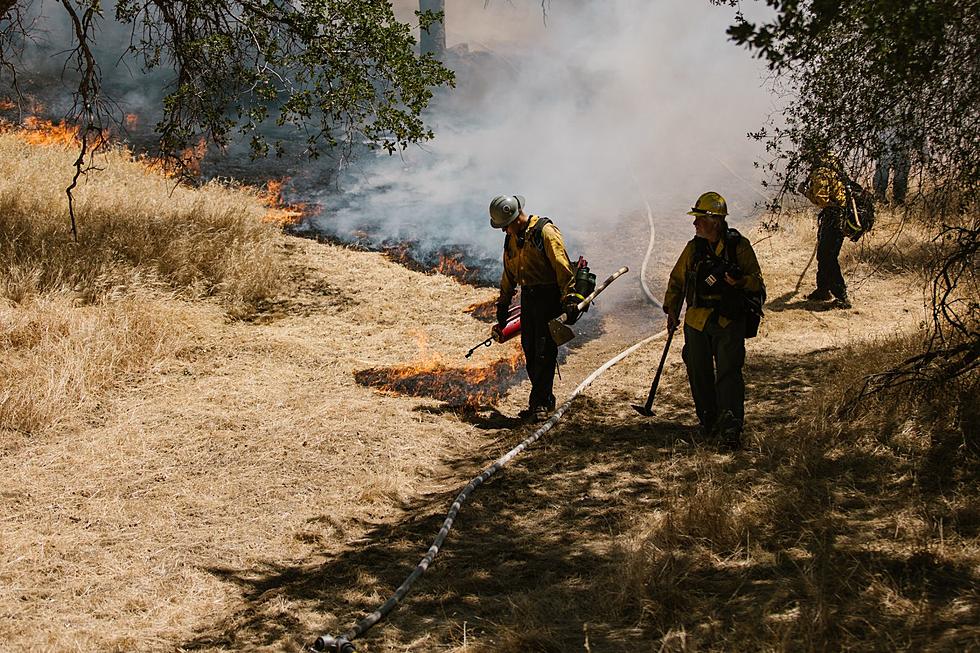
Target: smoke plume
x=589 y=113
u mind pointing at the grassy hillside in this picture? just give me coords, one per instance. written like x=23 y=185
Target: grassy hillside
x=173 y=477
x=78 y=317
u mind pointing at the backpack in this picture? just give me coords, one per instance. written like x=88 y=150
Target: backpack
x=859 y=215
x=752 y=302
x=734 y=304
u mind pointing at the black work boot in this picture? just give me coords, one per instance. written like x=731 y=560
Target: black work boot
x=730 y=430
x=535 y=414
x=819 y=295
x=842 y=301
x=708 y=429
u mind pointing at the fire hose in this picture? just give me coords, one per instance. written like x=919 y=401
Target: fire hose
x=653 y=236
x=344 y=643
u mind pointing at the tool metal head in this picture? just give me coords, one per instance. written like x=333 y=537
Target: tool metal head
x=560 y=333
x=642 y=410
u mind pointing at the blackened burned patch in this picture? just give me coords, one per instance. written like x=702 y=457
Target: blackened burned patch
x=484 y=311
x=451 y=260
x=464 y=387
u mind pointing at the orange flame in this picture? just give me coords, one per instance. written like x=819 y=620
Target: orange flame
x=132 y=120
x=38 y=131
x=278 y=211
x=483 y=310
x=192 y=156
x=185 y=164
x=453 y=267
x=466 y=387
x=6 y=104
x=450 y=266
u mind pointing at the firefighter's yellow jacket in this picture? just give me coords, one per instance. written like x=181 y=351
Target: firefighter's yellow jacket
x=527 y=266
x=824 y=188
x=683 y=273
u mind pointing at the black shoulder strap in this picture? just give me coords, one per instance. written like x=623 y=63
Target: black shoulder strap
x=732 y=239
x=536 y=237
x=702 y=250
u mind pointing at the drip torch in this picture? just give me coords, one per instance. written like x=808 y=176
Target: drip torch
x=511 y=329
x=583 y=285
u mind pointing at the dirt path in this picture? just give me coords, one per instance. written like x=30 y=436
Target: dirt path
x=251 y=494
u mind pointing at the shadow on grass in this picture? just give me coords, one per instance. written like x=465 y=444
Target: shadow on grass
x=539 y=558
x=785 y=303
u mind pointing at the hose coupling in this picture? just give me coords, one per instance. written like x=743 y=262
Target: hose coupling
x=331 y=644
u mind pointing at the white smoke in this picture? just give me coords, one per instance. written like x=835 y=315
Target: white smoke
x=605 y=106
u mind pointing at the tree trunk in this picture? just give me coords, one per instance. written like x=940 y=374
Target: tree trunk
x=433 y=40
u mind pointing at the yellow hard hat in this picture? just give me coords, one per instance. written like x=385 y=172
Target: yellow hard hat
x=710 y=203
x=829 y=160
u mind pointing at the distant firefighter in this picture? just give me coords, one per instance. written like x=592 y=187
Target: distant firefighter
x=719 y=277
x=534 y=259
x=845 y=211
x=892 y=160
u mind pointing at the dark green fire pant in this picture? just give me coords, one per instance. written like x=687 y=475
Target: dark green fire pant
x=714 y=359
x=539 y=305
x=830 y=239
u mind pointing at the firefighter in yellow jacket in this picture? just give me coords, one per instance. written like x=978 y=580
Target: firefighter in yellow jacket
x=825 y=188
x=534 y=259
x=715 y=274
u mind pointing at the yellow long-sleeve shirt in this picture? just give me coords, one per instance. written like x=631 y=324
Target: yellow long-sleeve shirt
x=824 y=188
x=696 y=317
x=528 y=266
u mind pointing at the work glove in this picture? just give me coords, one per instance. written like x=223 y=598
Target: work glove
x=496 y=331
x=672 y=320
x=571 y=312
x=502 y=310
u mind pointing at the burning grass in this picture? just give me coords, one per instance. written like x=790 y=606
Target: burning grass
x=448 y=261
x=484 y=311
x=280 y=212
x=465 y=387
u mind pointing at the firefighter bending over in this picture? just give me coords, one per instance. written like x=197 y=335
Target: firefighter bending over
x=534 y=259
x=719 y=277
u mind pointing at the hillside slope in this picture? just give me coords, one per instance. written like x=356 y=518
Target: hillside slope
x=246 y=493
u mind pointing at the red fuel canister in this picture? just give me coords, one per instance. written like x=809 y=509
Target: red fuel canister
x=512 y=328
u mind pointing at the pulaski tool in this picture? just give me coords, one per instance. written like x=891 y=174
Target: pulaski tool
x=511 y=329
x=561 y=332
x=645 y=409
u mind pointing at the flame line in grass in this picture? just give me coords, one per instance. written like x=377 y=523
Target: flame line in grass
x=465 y=387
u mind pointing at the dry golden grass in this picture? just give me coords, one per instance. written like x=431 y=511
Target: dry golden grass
x=135 y=229
x=80 y=317
x=227 y=485
x=60 y=357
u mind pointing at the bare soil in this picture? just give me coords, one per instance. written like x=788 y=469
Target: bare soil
x=249 y=494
